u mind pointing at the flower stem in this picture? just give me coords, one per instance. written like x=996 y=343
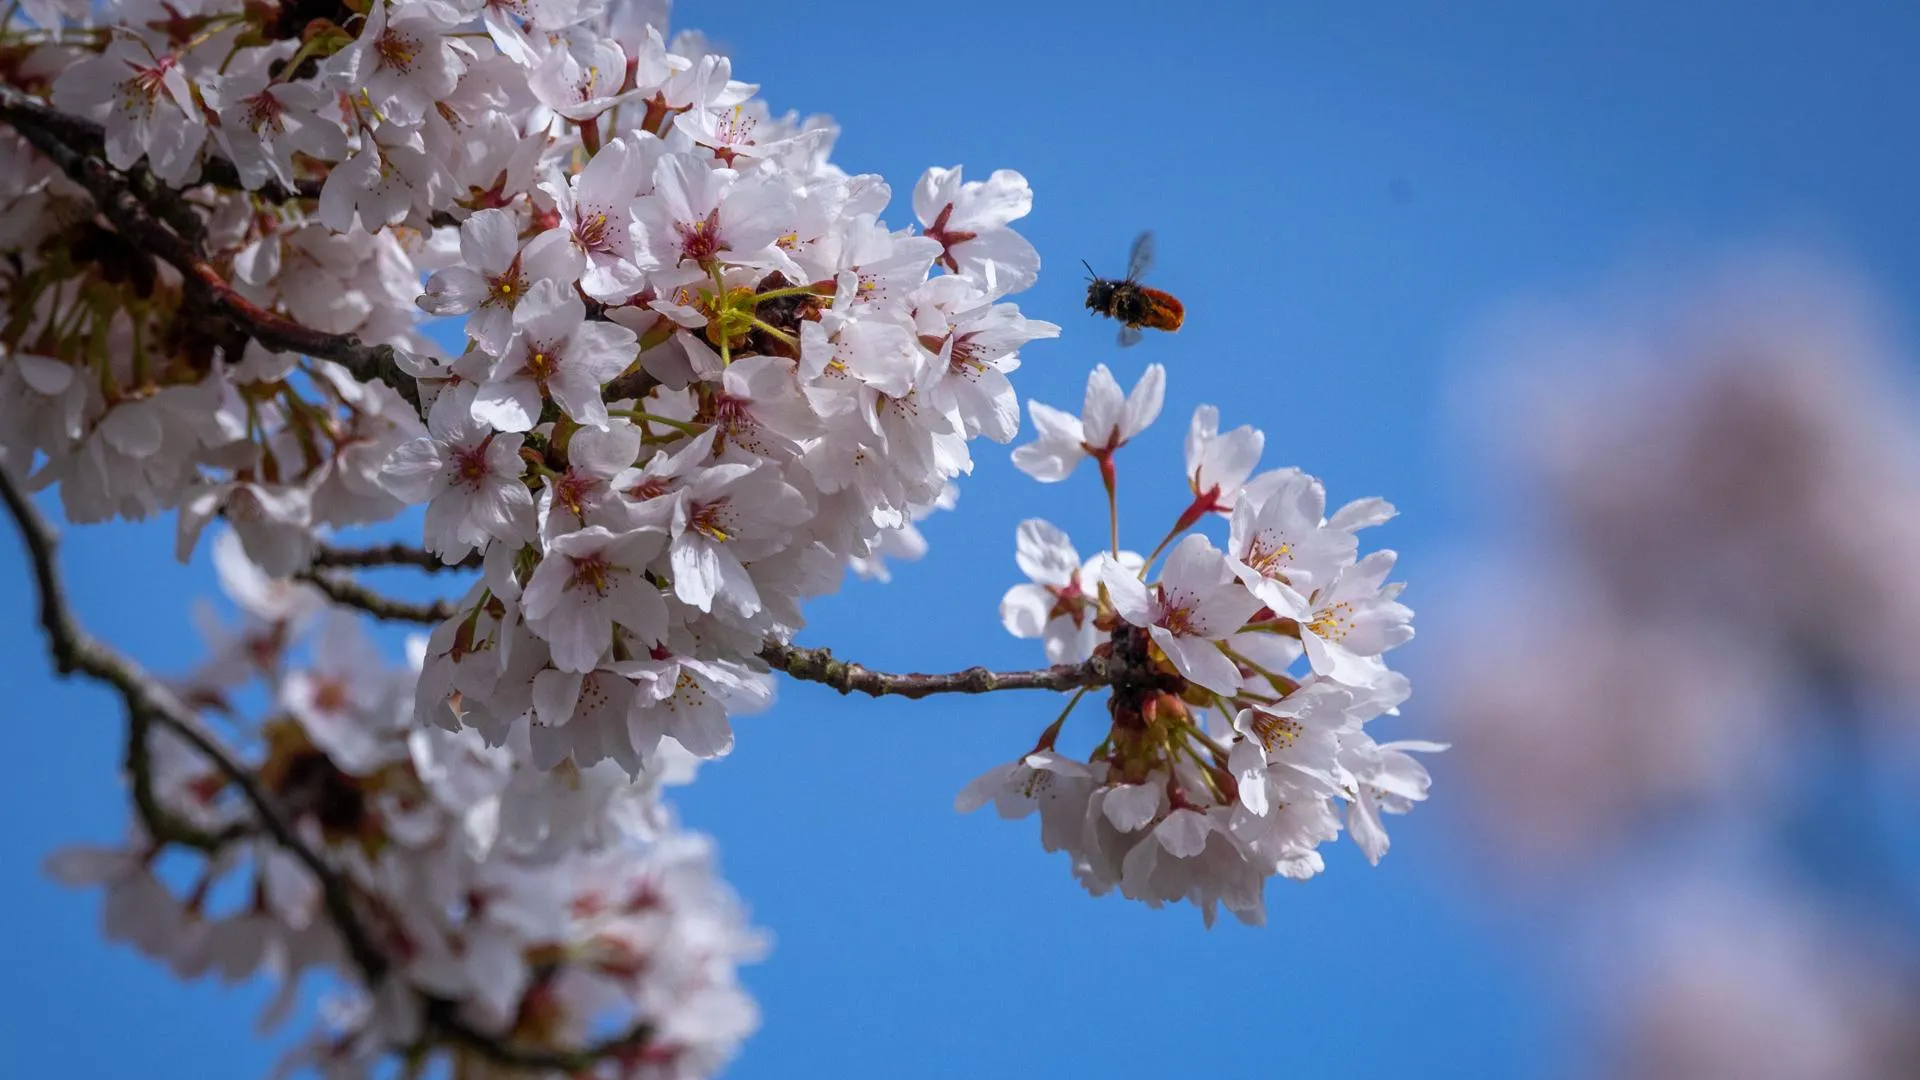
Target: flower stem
x=1048 y=736
x=797 y=290
x=1162 y=546
x=690 y=427
x=1110 y=479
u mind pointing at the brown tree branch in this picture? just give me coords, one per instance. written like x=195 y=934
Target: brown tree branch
x=148 y=700
x=349 y=593
x=158 y=220
x=326 y=556
x=88 y=137
x=161 y=822
x=74 y=650
x=819 y=665
x=114 y=195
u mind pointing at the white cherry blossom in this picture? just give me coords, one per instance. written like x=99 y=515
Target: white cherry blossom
x=554 y=355
x=1107 y=421
x=1196 y=602
x=469 y=476
x=589 y=581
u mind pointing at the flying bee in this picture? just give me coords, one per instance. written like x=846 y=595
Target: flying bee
x=1134 y=304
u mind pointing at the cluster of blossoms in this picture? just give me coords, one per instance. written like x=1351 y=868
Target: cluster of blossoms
x=1670 y=757
x=1703 y=478
x=542 y=916
x=1723 y=976
x=700 y=378
x=1244 y=676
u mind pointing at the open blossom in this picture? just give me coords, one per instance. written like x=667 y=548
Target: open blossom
x=403 y=60
x=1349 y=622
x=555 y=354
x=689 y=700
x=1386 y=778
x=1282 y=545
x=596 y=212
x=1056 y=786
x=145 y=104
x=469 y=476
x=584 y=494
x=580 y=76
x=728 y=515
x=970 y=222
x=1059 y=605
x=1196 y=602
x=264 y=123
x=386 y=180
x=1106 y=422
x=1218 y=465
x=976 y=345
x=700 y=214
x=589 y=581
x=496 y=276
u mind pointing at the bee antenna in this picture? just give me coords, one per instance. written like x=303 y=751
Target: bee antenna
x=1089 y=267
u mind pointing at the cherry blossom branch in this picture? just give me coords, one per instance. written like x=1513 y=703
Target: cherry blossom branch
x=150 y=702
x=161 y=823
x=76 y=651
x=88 y=137
x=819 y=665
x=114 y=195
x=326 y=556
x=349 y=593
x=156 y=219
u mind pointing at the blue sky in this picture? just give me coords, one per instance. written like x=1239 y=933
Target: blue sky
x=1339 y=198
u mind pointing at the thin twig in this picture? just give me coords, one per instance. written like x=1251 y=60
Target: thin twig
x=161 y=822
x=819 y=665
x=632 y=386
x=326 y=556
x=350 y=593
x=443 y=1014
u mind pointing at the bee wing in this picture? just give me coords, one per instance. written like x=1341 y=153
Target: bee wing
x=1129 y=335
x=1141 y=257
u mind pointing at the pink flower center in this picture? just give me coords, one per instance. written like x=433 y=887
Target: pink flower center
x=543 y=360
x=397 y=49
x=948 y=237
x=699 y=240
x=263 y=111
x=649 y=487
x=574 y=491
x=507 y=289
x=592 y=572
x=592 y=233
x=470 y=465
x=1177 y=613
x=1275 y=732
x=1333 y=622
x=149 y=82
x=1267 y=553
x=965 y=358
x=708 y=520
x=330 y=696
